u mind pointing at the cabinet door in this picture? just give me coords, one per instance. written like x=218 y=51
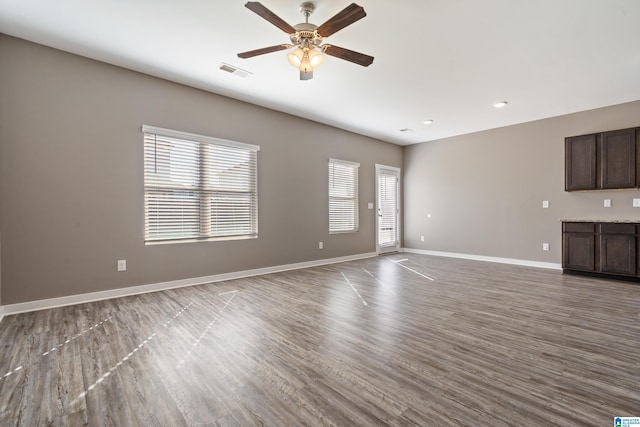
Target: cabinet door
x=580 y=163
x=618 y=254
x=618 y=159
x=579 y=251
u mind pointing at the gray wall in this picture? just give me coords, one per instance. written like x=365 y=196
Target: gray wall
x=484 y=190
x=71 y=183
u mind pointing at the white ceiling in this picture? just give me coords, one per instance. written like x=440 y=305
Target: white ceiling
x=446 y=60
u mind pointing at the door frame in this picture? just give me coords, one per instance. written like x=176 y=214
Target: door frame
x=397 y=171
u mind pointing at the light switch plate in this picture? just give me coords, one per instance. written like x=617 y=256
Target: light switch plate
x=545 y=246
x=607 y=203
x=636 y=203
x=122 y=265
x=369 y=205
x=545 y=204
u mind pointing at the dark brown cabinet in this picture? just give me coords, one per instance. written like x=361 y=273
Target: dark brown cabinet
x=580 y=162
x=579 y=246
x=618 y=247
x=607 y=160
x=606 y=248
x=618 y=159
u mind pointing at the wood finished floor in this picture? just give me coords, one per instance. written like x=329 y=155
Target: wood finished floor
x=426 y=341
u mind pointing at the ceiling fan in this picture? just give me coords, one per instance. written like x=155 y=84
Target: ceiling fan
x=306 y=38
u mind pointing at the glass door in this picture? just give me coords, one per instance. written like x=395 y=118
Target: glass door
x=388 y=209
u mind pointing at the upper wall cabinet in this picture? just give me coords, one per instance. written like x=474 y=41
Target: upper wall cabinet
x=580 y=163
x=618 y=159
x=607 y=160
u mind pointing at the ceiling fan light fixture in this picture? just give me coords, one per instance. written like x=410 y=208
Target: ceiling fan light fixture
x=305 y=59
x=305 y=65
x=315 y=57
x=295 y=57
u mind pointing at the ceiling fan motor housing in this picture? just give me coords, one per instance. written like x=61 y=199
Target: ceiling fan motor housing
x=306 y=32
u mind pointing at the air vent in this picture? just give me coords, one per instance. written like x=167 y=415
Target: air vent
x=406 y=130
x=234 y=70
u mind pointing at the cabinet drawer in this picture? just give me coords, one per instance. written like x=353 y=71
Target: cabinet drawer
x=579 y=227
x=606 y=228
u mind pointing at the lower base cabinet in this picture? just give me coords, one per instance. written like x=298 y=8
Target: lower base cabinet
x=579 y=246
x=601 y=247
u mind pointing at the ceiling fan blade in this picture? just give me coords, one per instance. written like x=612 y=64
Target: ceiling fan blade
x=348 y=55
x=265 y=13
x=262 y=51
x=348 y=16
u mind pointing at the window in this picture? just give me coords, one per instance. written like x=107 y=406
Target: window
x=198 y=187
x=343 y=196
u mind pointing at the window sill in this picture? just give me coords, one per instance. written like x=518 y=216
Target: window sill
x=210 y=239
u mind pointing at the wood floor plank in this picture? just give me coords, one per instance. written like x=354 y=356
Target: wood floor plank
x=397 y=340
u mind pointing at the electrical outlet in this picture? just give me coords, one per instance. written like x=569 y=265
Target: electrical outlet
x=320 y=245
x=122 y=265
x=545 y=246
x=607 y=203
x=545 y=204
x=636 y=203
x=422 y=238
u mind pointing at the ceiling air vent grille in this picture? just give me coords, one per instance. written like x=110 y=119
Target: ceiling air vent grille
x=234 y=70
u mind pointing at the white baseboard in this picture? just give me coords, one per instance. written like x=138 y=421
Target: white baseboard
x=538 y=264
x=155 y=287
x=143 y=289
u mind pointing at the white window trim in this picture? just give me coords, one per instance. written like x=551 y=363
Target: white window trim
x=195 y=137
x=206 y=139
x=345 y=162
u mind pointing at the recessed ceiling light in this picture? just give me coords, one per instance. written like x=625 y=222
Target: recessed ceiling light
x=428 y=122
x=500 y=104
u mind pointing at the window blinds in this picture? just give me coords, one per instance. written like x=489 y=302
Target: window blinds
x=198 y=187
x=343 y=196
